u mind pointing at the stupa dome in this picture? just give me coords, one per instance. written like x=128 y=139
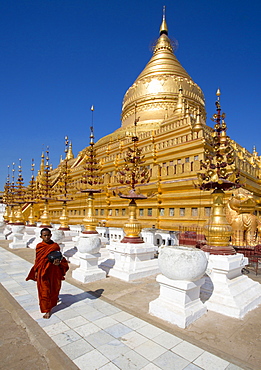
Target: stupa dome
x=160 y=87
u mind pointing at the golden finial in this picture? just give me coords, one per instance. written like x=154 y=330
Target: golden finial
x=92 y=134
x=13 y=171
x=47 y=158
x=8 y=173
x=164 y=27
x=32 y=168
x=66 y=144
x=42 y=163
x=217 y=103
x=70 y=153
x=179 y=105
x=198 y=125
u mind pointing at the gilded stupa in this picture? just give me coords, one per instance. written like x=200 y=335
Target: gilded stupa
x=159 y=90
x=168 y=110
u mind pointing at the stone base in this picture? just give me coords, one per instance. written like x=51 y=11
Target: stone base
x=18 y=234
x=18 y=242
x=37 y=239
x=69 y=235
x=29 y=234
x=133 y=261
x=88 y=270
x=226 y=290
x=178 y=302
x=68 y=245
x=72 y=255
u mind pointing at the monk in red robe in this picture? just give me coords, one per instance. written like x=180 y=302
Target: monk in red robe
x=48 y=275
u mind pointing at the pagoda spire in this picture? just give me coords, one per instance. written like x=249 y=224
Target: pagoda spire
x=42 y=165
x=69 y=154
x=164 y=27
x=255 y=153
x=91 y=176
x=150 y=91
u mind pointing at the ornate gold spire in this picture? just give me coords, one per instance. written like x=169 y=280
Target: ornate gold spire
x=157 y=88
x=219 y=173
x=90 y=178
x=255 y=153
x=42 y=166
x=70 y=152
x=164 y=27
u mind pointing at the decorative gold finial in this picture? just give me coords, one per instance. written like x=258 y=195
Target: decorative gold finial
x=31 y=197
x=198 y=124
x=255 y=153
x=66 y=144
x=219 y=174
x=32 y=166
x=91 y=128
x=19 y=195
x=42 y=163
x=90 y=178
x=13 y=172
x=179 y=104
x=164 y=27
x=64 y=185
x=70 y=152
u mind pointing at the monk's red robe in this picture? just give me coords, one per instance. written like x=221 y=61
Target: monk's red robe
x=49 y=276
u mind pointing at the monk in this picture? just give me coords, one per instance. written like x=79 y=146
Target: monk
x=48 y=275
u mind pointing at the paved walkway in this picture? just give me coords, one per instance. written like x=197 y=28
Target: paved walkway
x=95 y=334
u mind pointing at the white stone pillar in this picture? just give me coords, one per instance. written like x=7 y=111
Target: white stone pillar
x=58 y=237
x=178 y=302
x=18 y=233
x=88 y=270
x=37 y=238
x=88 y=253
x=29 y=234
x=227 y=290
x=182 y=270
x=132 y=261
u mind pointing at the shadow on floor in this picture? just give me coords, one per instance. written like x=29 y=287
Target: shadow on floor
x=69 y=299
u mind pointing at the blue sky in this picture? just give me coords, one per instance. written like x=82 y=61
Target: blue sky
x=58 y=57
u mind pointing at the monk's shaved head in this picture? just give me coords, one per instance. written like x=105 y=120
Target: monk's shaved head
x=45 y=229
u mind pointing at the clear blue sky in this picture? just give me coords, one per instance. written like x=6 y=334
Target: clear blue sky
x=58 y=57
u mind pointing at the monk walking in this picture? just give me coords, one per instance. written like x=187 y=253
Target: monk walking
x=49 y=275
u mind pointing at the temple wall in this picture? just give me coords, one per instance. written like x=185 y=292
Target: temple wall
x=172 y=154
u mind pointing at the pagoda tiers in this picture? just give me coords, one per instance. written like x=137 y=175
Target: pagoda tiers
x=169 y=109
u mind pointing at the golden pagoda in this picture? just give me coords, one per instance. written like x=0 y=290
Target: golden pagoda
x=175 y=139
